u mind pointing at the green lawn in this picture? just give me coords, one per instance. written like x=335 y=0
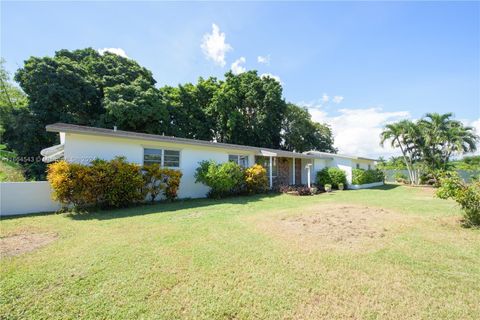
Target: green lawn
x=230 y=259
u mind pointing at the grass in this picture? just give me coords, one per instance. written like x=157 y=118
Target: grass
x=205 y=259
x=10 y=171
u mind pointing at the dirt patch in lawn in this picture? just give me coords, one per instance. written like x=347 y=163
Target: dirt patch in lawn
x=14 y=245
x=334 y=225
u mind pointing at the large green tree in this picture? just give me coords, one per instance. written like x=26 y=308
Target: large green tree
x=79 y=87
x=188 y=107
x=301 y=134
x=248 y=109
x=12 y=99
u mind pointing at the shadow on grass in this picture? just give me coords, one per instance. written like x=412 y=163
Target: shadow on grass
x=384 y=187
x=26 y=215
x=165 y=207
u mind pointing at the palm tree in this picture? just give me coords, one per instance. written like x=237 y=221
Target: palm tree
x=459 y=139
x=443 y=137
x=399 y=134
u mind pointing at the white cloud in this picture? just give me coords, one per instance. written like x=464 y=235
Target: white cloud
x=357 y=131
x=236 y=66
x=337 y=99
x=263 y=59
x=269 y=75
x=325 y=98
x=214 y=46
x=118 y=51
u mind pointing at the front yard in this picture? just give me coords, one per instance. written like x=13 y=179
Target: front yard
x=391 y=252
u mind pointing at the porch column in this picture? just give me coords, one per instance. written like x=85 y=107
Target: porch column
x=270 y=173
x=308 y=175
x=293 y=181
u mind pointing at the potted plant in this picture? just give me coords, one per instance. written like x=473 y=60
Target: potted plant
x=313 y=190
x=328 y=187
x=341 y=186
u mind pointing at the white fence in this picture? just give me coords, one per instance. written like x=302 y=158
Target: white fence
x=26 y=197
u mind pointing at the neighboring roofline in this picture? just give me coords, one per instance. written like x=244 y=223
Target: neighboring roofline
x=71 y=128
x=339 y=155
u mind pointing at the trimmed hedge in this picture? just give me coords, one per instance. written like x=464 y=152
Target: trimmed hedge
x=362 y=176
x=332 y=176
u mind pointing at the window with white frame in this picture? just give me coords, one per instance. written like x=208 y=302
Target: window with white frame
x=165 y=158
x=241 y=160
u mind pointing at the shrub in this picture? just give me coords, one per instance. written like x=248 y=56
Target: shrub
x=122 y=183
x=328 y=187
x=341 y=186
x=158 y=180
x=114 y=183
x=256 y=180
x=153 y=180
x=467 y=196
x=400 y=177
x=223 y=179
x=301 y=190
x=362 y=176
x=332 y=176
x=171 y=179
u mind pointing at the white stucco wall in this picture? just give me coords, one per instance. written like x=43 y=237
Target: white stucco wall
x=85 y=148
x=344 y=164
x=364 y=164
x=26 y=197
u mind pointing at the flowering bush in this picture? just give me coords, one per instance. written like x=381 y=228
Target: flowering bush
x=158 y=180
x=256 y=179
x=172 y=182
x=114 y=183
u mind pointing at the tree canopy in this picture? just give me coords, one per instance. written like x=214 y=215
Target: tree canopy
x=106 y=90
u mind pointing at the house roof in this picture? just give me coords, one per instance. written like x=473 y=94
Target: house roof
x=339 y=155
x=71 y=128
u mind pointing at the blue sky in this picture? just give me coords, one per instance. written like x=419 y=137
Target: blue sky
x=356 y=66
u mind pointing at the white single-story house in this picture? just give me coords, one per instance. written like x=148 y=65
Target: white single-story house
x=82 y=144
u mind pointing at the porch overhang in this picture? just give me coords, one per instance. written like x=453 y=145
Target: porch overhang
x=53 y=153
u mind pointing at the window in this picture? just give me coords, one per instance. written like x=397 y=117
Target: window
x=165 y=158
x=171 y=158
x=358 y=165
x=369 y=167
x=151 y=156
x=265 y=162
x=240 y=160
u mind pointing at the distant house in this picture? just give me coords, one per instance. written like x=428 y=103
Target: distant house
x=81 y=144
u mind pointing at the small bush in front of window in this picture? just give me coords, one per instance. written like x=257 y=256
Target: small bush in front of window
x=223 y=179
x=161 y=180
x=362 y=176
x=332 y=176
